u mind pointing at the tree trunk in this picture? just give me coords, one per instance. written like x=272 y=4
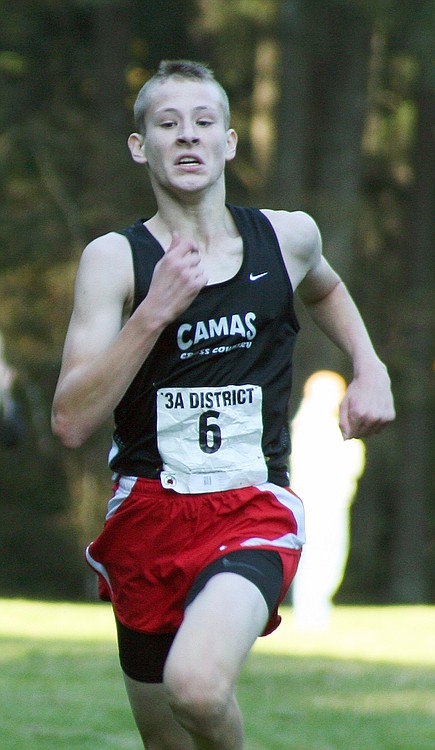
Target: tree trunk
x=110 y=156
x=324 y=63
x=409 y=576
x=340 y=104
x=295 y=35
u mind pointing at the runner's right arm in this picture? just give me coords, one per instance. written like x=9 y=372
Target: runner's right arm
x=101 y=354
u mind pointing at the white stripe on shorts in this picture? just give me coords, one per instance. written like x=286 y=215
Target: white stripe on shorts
x=296 y=508
x=124 y=489
x=98 y=567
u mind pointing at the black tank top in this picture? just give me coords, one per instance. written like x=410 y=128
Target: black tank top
x=240 y=331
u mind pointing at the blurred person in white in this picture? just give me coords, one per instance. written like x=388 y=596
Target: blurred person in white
x=325 y=470
x=10 y=423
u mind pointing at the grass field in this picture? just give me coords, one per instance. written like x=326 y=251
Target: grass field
x=368 y=683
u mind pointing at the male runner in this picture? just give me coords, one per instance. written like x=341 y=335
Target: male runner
x=184 y=326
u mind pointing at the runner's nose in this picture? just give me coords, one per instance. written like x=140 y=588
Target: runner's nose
x=188 y=135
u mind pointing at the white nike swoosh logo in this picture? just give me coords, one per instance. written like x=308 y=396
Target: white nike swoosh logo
x=255 y=276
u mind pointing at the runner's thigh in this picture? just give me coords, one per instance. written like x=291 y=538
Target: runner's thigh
x=218 y=630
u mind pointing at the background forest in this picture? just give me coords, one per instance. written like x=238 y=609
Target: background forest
x=333 y=101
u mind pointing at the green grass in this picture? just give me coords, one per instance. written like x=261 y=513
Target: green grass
x=368 y=683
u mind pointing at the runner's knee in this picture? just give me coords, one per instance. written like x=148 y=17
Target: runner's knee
x=199 y=699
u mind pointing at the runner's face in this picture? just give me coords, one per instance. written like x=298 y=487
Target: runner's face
x=186 y=143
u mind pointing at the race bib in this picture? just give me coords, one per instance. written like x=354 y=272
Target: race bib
x=210 y=438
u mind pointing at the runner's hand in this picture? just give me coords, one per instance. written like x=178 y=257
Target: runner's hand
x=367 y=406
x=177 y=279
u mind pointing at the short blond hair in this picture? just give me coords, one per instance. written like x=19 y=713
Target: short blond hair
x=184 y=69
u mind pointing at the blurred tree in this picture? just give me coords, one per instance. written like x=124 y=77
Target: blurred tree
x=333 y=103
x=364 y=71
x=395 y=248
x=68 y=73
x=348 y=119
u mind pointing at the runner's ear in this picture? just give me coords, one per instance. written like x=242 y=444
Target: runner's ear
x=136 y=145
x=231 y=144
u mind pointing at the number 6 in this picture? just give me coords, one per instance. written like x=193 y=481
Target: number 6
x=210 y=438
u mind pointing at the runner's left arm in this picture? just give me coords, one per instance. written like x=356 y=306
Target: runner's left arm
x=367 y=406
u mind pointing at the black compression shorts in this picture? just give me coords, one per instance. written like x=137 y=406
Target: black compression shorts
x=143 y=655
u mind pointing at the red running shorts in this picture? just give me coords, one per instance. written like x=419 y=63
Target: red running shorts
x=155 y=542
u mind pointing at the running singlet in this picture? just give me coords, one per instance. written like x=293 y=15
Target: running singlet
x=208 y=410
